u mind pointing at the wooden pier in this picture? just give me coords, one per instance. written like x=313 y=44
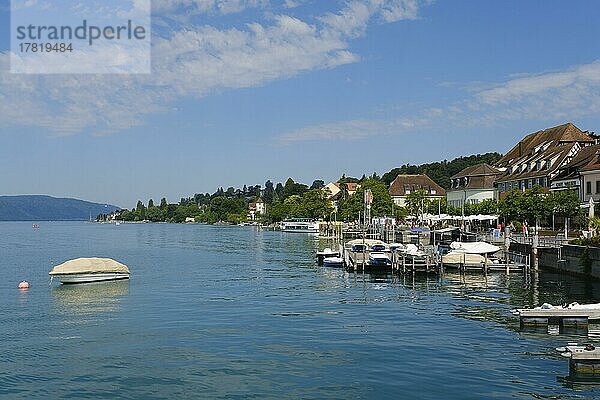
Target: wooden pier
x=358 y=261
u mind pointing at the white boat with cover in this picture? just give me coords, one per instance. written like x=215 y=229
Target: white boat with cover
x=470 y=254
x=84 y=270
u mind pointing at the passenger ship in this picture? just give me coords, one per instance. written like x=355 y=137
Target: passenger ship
x=300 y=225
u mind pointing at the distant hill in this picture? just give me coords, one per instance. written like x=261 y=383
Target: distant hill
x=441 y=171
x=46 y=208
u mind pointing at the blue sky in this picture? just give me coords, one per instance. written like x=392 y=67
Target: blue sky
x=245 y=91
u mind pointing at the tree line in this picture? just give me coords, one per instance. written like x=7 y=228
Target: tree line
x=294 y=199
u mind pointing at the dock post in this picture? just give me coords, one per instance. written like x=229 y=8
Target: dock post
x=534 y=253
x=413 y=264
x=506 y=248
x=485 y=265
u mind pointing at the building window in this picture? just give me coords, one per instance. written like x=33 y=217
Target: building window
x=597 y=187
x=588 y=188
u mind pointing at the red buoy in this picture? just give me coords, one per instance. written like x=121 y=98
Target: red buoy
x=23 y=285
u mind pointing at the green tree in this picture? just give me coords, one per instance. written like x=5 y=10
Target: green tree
x=511 y=206
x=317 y=184
x=315 y=204
x=140 y=211
x=381 y=205
x=564 y=203
x=417 y=202
x=292 y=188
x=269 y=192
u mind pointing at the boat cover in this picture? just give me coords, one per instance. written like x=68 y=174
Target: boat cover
x=89 y=266
x=474 y=247
x=456 y=258
x=368 y=242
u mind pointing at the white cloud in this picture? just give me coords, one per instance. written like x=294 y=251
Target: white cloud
x=207 y=6
x=353 y=20
x=550 y=96
x=191 y=62
x=542 y=84
x=349 y=130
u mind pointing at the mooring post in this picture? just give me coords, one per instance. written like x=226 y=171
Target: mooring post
x=485 y=265
x=534 y=253
x=506 y=247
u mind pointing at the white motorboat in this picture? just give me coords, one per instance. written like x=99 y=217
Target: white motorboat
x=327 y=252
x=457 y=259
x=85 y=270
x=379 y=259
x=413 y=250
x=300 y=225
x=333 y=262
x=471 y=255
x=397 y=247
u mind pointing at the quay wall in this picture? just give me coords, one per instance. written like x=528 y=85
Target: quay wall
x=572 y=259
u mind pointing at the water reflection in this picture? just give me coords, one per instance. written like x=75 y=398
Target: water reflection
x=491 y=297
x=580 y=382
x=90 y=298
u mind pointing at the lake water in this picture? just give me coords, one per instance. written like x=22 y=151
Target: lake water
x=232 y=312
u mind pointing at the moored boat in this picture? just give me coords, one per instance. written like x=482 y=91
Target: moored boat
x=85 y=270
x=333 y=262
x=470 y=255
x=379 y=259
x=327 y=252
x=300 y=225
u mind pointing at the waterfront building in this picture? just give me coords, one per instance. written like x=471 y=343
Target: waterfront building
x=581 y=174
x=335 y=189
x=404 y=185
x=256 y=208
x=472 y=185
x=540 y=156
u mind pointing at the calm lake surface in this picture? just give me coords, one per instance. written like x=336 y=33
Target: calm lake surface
x=232 y=312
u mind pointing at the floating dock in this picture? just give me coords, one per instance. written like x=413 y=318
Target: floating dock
x=583 y=360
x=559 y=319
